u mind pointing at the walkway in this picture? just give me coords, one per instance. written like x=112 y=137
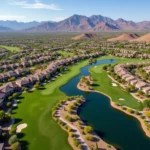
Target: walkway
x=72 y=127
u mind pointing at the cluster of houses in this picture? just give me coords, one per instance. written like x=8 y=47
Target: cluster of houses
x=15 y=73
x=128 y=45
x=123 y=73
x=130 y=54
x=18 y=85
x=28 y=61
x=147 y=69
x=3 y=52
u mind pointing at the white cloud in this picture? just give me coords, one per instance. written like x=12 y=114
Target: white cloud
x=59 y=19
x=12 y=17
x=36 y=5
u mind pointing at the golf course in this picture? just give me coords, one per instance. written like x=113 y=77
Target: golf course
x=35 y=108
x=103 y=84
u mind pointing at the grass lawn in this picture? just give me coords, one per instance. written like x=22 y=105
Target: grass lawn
x=10 y=48
x=104 y=84
x=42 y=132
x=66 y=54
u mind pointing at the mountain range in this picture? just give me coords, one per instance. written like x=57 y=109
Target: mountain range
x=15 y=25
x=97 y=23
x=5 y=28
x=79 y=23
x=19 y=25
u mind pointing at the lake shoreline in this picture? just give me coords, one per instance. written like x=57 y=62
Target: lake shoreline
x=147 y=132
x=60 y=114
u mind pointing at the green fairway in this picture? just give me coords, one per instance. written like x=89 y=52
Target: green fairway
x=10 y=48
x=66 y=54
x=42 y=132
x=104 y=84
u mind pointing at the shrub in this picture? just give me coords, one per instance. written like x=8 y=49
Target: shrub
x=16 y=146
x=75 y=141
x=147 y=114
x=66 y=127
x=75 y=103
x=75 y=118
x=142 y=117
x=117 y=104
x=9 y=111
x=71 y=106
x=124 y=108
x=87 y=82
x=68 y=118
x=11 y=79
x=88 y=129
x=36 y=86
x=69 y=129
x=140 y=92
x=8 y=104
x=130 y=110
x=70 y=134
x=3 y=136
x=4 y=117
x=89 y=138
x=53 y=113
x=79 y=122
x=108 y=146
x=105 y=67
x=62 y=123
x=96 y=146
x=137 y=113
x=57 y=120
x=70 y=111
x=15 y=95
x=79 y=101
x=10 y=98
x=80 y=146
x=12 y=131
x=13 y=139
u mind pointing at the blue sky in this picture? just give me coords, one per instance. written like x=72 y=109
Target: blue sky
x=56 y=10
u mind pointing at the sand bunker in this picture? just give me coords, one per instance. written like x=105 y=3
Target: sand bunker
x=121 y=99
x=21 y=127
x=114 y=84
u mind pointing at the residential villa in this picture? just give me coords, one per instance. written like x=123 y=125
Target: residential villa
x=9 y=88
x=131 y=79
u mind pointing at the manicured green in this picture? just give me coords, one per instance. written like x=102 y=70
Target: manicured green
x=34 y=109
x=104 y=84
x=11 y=48
x=66 y=54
